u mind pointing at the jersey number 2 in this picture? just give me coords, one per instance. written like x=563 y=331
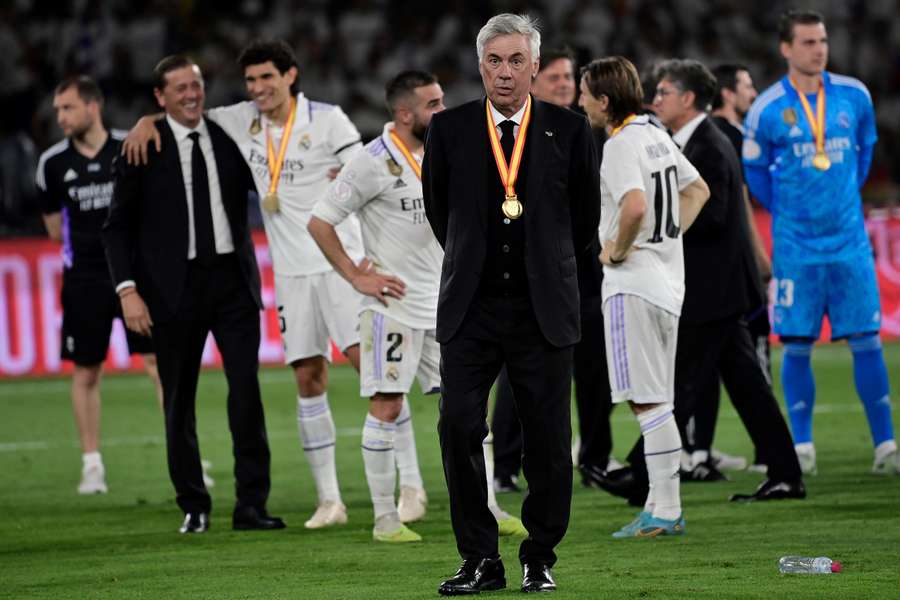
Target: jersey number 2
x=662 y=205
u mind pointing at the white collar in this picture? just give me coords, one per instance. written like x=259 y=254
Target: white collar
x=301 y=110
x=499 y=117
x=181 y=132
x=683 y=135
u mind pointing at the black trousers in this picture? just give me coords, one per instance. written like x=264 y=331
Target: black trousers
x=215 y=299
x=724 y=348
x=592 y=400
x=497 y=332
x=702 y=427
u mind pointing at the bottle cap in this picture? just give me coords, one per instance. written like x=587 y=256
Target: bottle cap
x=836 y=567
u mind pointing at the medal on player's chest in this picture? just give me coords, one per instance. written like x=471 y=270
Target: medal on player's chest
x=394 y=166
x=270 y=203
x=816 y=122
x=512 y=208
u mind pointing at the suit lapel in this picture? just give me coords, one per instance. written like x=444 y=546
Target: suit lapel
x=482 y=162
x=536 y=142
x=172 y=164
x=699 y=133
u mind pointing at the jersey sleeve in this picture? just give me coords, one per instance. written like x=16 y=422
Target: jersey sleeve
x=235 y=119
x=343 y=137
x=686 y=171
x=353 y=188
x=624 y=174
x=756 y=154
x=866 y=133
x=49 y=198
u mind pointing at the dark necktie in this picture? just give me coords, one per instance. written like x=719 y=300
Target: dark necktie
x=509 y=138
x=204 y=238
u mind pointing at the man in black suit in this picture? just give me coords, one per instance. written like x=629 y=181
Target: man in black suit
x=713 y=338
x=183 y=263
x=509 y=293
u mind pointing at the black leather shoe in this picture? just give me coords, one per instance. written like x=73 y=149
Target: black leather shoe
x=197 y=522
x=622 y=483
x=474 y=576
x=506 y=483
x=591 y=475
x=537 y=577
x=704 y=471
x=774 y=490
x=250 y=517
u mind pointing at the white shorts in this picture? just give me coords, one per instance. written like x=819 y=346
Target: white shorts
x=392 y=354
x=641 y=339
x=313 y=309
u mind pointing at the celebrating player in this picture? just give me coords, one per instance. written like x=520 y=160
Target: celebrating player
x=807 y=151
x=643 y=286
x=76 y=182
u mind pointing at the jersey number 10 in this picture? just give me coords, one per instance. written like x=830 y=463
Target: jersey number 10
x=662 y=202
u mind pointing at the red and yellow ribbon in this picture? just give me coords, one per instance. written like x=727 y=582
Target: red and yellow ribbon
x=413 y=163
x=817 y=121
x=275 y=165
x=509 y=173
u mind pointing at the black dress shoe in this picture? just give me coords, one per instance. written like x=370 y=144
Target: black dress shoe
x=197 y=522
x=623 y=483
x=591 y=475
x=537 y=577
x=774 y=490
x=474 y=576
x=705 y=471
x=506 y=483
x=250 y=517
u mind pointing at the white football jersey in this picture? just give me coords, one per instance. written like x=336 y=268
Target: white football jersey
x=322 y=137
x=380 y=186
x=643 y=157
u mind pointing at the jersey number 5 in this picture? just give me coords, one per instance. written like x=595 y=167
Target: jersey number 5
x=662 y=203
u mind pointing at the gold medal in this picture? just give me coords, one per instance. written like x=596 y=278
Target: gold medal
x=821 y=161
x=512 y=208
x=816 y=124
x=270 y=203
x=393 y=167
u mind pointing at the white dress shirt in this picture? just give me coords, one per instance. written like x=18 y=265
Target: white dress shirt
x=683 y=135
x=221 y=228
x=499 y=118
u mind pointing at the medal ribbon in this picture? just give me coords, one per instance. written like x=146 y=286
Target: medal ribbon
x=817 y=122
x=413 y=163
x=508 y=173
x=275 y=165
x=627 y=120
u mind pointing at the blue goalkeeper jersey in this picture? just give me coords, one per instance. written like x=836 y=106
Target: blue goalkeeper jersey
x=816 y=215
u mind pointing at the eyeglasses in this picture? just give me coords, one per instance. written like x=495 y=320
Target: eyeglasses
x=663 y=92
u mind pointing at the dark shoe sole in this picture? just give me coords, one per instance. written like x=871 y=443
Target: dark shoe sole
x=490 y=586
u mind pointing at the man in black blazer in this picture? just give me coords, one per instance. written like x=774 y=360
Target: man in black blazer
x=720 y=274
x=509 y=293
x=181 y=257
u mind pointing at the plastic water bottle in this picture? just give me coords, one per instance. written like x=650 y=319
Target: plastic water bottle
x=808 y=564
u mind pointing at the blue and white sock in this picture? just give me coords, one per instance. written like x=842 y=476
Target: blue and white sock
x=799 y=389
x=317 y=434
x=662 y=452
x=405 y=449
x=870 y=375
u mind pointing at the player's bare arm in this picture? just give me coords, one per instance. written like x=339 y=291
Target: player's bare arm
x=134 y=148
x=53 y=223
x=691 y=199
x=363 y=277
x=634 y=207
x=763 y=262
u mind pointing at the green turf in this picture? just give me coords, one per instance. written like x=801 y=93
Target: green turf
x=55 y=544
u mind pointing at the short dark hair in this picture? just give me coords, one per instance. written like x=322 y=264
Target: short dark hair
x=616 y=78
x=552 y=55
x=277 y=51
x=690 y=76
x=726 y=79
x=789 y=18
x=404 y=84
x=167 y=65
x=87 y=88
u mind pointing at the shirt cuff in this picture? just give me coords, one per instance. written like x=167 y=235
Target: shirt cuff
x=128 y=283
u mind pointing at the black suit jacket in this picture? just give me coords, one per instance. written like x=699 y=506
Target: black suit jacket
x=146 y=231
x=561 y=214
x=718 y=269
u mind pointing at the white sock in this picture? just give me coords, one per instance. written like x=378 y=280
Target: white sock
x=91 y=459
x=662 y=451
x=488 y=446
x=317 y=435
x=405 y=449
x=378 y=458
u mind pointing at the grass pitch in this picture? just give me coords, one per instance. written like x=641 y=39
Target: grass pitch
x=56 y=544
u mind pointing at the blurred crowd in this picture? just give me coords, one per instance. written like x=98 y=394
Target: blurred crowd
x=348 y=49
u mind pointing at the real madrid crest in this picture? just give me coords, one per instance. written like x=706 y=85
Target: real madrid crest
x=394 y=168
x=305 y=141
x=255 y=127
x=790 y=116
